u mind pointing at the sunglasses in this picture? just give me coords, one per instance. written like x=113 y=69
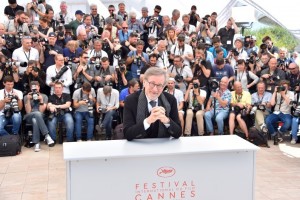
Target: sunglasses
x=124 y=27
x=117 y=41
x=111 y=10
x=156 y=11
x=85 y=57
x=292 y=68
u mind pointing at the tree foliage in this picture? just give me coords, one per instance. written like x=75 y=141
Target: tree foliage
x=280 y=37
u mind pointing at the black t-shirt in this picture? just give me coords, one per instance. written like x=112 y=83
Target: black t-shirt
x=59 y=101
x=199 y=73
x=226 y=37
x=125 y=50
x=49 y=59
x=11 y=11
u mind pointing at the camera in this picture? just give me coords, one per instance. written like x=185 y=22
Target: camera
x=18 y=38
x=194 y=39
x=90 y=109
x=263 y=47
x=62 y=19
x=296 y=113
x=78 y=83
x=235 y=52
x=195 y=85
x=257 y=106
x=178 y=78
x=60 y=73
x=213 y=84
x=153 y=21
x=96 y=62
x=102 y=110
x=204 y=20
x=138 y=61
x=59 y=112
x=12 y=106
x=196 y=108
x=281 y=88
x=35 y=94
x=9 y=63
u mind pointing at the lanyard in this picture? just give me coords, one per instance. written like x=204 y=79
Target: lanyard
x=238 y=97
x=241 y=76
x=107 y=102
x=260 y=99
x=28 y=57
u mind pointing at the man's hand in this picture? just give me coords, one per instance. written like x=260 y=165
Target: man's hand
x=157 y=113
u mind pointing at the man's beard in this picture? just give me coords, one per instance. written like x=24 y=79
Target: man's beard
x=20 y=22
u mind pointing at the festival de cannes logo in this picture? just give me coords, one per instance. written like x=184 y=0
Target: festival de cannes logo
x=166 y=172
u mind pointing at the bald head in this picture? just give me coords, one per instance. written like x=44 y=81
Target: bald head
x=238 y=87
x=224 y=83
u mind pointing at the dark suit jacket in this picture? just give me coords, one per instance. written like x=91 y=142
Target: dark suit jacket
x=161 y=32
x=133 y=130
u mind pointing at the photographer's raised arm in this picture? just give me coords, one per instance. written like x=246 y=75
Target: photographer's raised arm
x=273 y=99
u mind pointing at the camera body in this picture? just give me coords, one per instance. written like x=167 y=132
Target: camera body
x=281 y=88
x=257 y=106
x=195 y=85
x=235 y=52
x=213 y=84
x=138 y=60
x=204 y=20
x=90 y=109
x=35 y=94
x=12 y=106
x=178 y=78
x=102 y=110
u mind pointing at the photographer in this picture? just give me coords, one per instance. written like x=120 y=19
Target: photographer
x=104 y=75
x=63 y=16
x=217 y=107
x=122 y=12
x=194 y=17
x=107 y=104
x=261 y=105
x=59 y=72
x=294 y=77
x=220 y=69
x=51 y=49
x=35 y=10
x=195 y=98
x=97 y=19
x=227 y=33
x=154 y=22
x=35 y=106
x=163 y=60
x=187 y=28
x=59 y=105
x=283 y=62
x=217 y=44
x=162 y=32
x=33 y=73
x=183 y=50
x=181 y=73
x=78 y=20
x=255 y=64
x=82 y=72
x=272 y=75
x=152 y=63
x=90 y=29
x=252 y=45
x=12 y=8
x=137 y=59
x=122 y=76
x=240 y=104
x=129 y=45
x=268 y=47
x=237 y=53
x=10 y=107
x=8 y=68
x=117 y=20
x=124 y=33
x=295 y=122
x=201 y=68
x=133 y=86
x=83 y=102
x=26 y=53
x=72 y=51
x=247 y=78
x=134 y=24
x=16 y=28
x=281 y=99
x=96 y=53
x=44 y=29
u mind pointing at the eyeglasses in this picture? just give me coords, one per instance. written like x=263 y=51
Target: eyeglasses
x=158 y=86
x=292 y=68
x=124 y=27
x=94 y=9
x=111 y=10
x=156 y=11
x=116 y=41
x=85 y=57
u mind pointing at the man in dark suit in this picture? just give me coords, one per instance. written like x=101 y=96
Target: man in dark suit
x=151 y=113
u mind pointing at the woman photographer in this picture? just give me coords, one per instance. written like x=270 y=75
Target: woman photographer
x=171 y=38
x=44 y=28
x=247 y=78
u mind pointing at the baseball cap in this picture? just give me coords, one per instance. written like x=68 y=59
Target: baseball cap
x=239 y=39
x=51 y=34
x=79 y=12
x=172 y=79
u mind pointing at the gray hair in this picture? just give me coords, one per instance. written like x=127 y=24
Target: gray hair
x=175 y=12
x=132 y=14
x=63 y=2
x=155 y=71
x=93 y=5
x=162 y=42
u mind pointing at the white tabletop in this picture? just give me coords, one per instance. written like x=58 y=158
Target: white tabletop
x=155 y=147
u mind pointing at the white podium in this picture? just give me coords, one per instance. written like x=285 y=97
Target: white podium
x=190 y=168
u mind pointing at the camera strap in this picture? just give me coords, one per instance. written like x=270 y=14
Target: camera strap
x=238 y=97
x=4 y=91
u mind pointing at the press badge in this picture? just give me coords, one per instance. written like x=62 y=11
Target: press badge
x=138 y=72
x=228 y=42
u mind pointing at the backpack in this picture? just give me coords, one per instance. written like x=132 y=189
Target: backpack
x=10 y=145
x=258 y=138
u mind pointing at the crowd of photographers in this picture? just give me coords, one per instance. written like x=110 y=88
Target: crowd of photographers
x=70 y=67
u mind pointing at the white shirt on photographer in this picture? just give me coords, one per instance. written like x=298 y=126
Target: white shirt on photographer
x=19 y=55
